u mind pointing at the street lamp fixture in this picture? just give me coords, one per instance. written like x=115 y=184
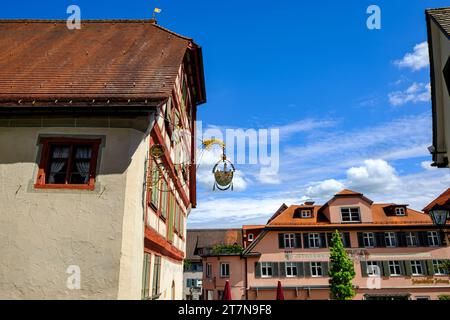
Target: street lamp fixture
x=440 y=215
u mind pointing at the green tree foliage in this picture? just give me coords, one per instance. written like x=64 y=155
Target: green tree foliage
x=227 y=249
x=341 y=271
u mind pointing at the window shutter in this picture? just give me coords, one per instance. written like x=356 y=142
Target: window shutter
x=407 y=267
x=298 y=240
x=428 y=267
x=380 y=239
x=441 y=243
x=385 y=268
x=307 y=268
x=275 y=269
x=364 y=268
x=402 y=268
x=360 y=240
x=300 y=269
x=401 y=239
x=423 y=239
x=323 y=240
x=257 y=270
x=329 y=237
x=347 y=241
x=281 y=240
x=305 y=241
x=282 y=269
x=325 y=269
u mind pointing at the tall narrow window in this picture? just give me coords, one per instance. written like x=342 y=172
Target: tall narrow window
x=146 y=276
x=391 y=239
x=314 y=240
x=411 y=239
x=316 y=269
x=208 y=270
x=250 y=237
x=224 y=270
x=289 y=240
x=394 y=268
x=416 y=268
x=266 y=270
x=68 y=163
x=291 y=269
x=433 y=238
x=156 y=276
x=369 y=239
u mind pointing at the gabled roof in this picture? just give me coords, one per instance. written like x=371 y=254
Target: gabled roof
x=442 y=200
x=42 y=60
x=347 y=192
x=442 y=17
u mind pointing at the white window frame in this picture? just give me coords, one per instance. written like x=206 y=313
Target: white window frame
x=390 y=239
x=411 y=239
x=291 y=266
x=370 y=237
x=315 y=268
x=313 y=237
x=250 y=237
x=306 y=214
x=437 y=268
x=265 y=267
x=433 y=235
x=373 y=270
x=209 y=270
x=289 y=240
x=415 y=266
x=351 y=218
x=225 y=265
x=400 y=211
x=395 y=264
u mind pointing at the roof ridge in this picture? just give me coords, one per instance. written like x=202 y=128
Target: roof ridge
x=152 y=22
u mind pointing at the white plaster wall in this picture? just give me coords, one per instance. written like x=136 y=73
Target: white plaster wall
x=42 y=232
x=171 y=272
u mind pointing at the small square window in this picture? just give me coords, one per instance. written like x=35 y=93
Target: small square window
x=306 y=213
x=250 y=237
x=400 y=211
x=68 y=163
x=350 y=215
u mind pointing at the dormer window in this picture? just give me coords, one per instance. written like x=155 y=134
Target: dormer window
x=306 y=214
x=250 y=237
x=350 y=215
x=400 y=211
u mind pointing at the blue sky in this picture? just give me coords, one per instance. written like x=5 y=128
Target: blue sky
x=352 y=104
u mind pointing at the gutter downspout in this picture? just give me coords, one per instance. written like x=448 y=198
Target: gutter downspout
x=246 y=279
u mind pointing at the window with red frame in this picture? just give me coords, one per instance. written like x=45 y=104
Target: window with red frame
x=68 y=163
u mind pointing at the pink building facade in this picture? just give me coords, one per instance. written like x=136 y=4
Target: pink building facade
x=397 y=253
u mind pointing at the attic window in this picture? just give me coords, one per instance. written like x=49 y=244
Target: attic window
x=400 y=211
x=250 y=237
x=306 y=213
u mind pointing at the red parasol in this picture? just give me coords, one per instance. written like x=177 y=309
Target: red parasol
x=227 y=291
x=280 y=294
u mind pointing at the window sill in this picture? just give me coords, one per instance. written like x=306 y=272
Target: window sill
x=65 y=186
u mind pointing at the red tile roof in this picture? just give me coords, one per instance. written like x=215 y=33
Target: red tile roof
x=112 y=59
x=346 y=192
x=380 y=215
x=442 y=200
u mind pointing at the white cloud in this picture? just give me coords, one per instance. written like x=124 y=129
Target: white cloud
x=374 y=176
x=427 y=165
x=416 y=60
x=324 y=189
x=417 y=92
x=304 y=126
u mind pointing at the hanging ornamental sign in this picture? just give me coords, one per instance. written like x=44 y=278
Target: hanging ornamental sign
x=223 y=170
x=157 y=151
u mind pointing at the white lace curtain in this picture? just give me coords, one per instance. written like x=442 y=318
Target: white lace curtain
x=83 y=166
x=60 y=155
